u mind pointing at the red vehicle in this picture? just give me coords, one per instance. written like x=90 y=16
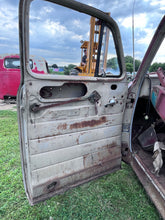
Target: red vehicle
x=10 y=73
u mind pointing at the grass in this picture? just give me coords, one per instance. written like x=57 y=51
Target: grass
x=114 y=196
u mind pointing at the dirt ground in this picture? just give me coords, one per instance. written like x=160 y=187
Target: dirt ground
x=6 y=106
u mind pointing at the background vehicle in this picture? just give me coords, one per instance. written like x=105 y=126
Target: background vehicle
x=76 y=128
x=10 y=73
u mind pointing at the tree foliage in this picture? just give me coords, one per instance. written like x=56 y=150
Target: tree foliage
x=54 y=66
x=129 y=59
x=112 y=63
x=129 y=67
x=155 y=66
x=68 y=68
x=137 y=64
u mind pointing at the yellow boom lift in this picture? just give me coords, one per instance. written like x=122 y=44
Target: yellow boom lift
x=97 y=36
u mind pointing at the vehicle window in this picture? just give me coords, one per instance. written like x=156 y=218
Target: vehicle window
x=72 y=43
x=108 y=59
x=31 y=64
x=14 y=63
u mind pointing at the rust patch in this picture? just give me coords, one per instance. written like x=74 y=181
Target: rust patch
x=91 y=123
x=74 y=179
x=84 y=159
x=126 y=154
x=62 y=127
x=77 y=140
x=107 y=152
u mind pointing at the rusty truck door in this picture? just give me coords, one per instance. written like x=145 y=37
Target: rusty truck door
x=70 y=126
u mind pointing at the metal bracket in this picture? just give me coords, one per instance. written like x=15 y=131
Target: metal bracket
x=93 y=98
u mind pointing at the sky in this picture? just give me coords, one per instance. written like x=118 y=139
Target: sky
x=56 y=33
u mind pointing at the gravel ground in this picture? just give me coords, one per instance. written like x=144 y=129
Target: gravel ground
x=7 y=106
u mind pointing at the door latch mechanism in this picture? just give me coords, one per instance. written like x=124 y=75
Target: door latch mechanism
x=112 y=102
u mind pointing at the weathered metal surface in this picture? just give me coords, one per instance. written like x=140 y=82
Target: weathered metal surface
x=161 y=75
x=158 y=100
x=92 y=165
x=88 y=123
x=53 y=143
x=70 y=143
x=66 y=154
x=66 y=182
x=150 y=183
x=158 y=94
x=93 y=98
x=36 y=107
x=54 y=128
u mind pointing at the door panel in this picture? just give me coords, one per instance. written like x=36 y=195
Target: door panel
x=70 y=126
x=74 y=142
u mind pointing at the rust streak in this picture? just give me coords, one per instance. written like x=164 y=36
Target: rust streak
x=91 y=123
x=62 y=127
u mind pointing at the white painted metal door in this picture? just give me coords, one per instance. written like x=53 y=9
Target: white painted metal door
x=70 y=126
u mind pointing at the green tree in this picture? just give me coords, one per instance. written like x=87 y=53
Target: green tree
x=68 y=68
x=155 y=66
x=112 y=63
x=163 y=66
x=137 y=64
x=129 y=67
x=128 y=59
x=54 y=66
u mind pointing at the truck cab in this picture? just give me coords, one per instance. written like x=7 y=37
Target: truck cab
x=75 y=128
x=10 y=73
